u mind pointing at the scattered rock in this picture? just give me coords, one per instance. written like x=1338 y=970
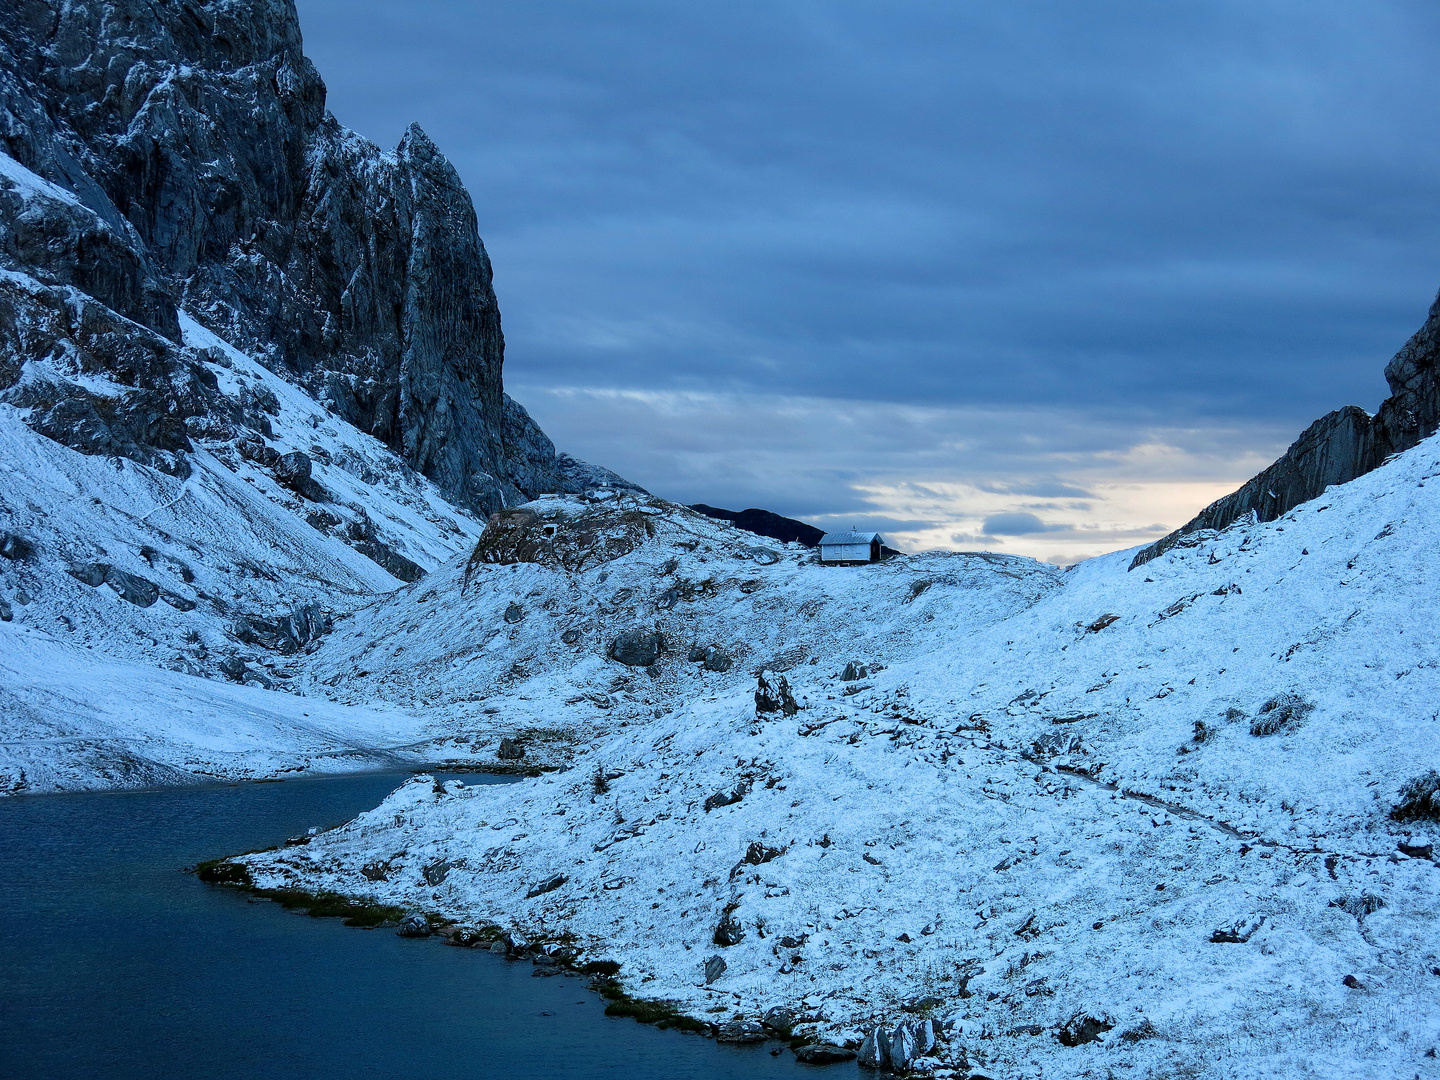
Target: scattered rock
x=637 y=648
x=510 y=750
x=717 y=660
x=729 y=932
x=514 y=613
x=92 y=574
x=1238 y=932
x=1101 y=623
x=854 y=671
x=176 y=601
x=435 y=873
x=293 y=470
x=724 y=798
x=778 y=698
x=1082 y=1028
x=546 y=886
x=1353 y=983
x=142 y=592
x=779 y=1019
x=714 y=968
x=1416 y=851
x=823 y=1054
x=415 y=925
x=741 y=1031
x=15 y=547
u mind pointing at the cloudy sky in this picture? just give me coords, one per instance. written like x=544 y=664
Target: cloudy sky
x=1042 y=277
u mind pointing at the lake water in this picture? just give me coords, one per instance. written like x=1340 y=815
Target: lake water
x=113 y=963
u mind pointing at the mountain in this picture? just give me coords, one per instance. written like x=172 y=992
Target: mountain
x=186 y=162
x=765 y=523
x=1338 y=447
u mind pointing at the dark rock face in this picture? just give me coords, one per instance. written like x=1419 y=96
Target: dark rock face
x=637 y=648
x=1339 y=446
x=765 y=523
x=186 y=157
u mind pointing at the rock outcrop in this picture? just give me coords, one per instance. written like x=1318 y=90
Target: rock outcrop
x=166 y=156
x=1338 y=447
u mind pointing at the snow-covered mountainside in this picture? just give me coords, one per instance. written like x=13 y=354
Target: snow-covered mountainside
x=1085 y=821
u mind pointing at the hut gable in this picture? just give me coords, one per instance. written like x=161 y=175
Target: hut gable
x=851 y=547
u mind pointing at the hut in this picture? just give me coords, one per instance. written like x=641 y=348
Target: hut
x=851 y=547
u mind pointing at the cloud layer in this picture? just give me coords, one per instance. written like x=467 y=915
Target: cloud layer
x=1139 y=217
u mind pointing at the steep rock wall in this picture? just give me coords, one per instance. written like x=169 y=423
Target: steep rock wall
x=206 y=173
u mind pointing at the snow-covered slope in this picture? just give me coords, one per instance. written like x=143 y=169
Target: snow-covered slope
x=1155 y=799
x=77 y=719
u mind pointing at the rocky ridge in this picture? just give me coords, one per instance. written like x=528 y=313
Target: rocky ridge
x=1338 y=447
x=189 y=163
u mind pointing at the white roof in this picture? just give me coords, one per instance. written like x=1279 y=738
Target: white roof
x=846 y=539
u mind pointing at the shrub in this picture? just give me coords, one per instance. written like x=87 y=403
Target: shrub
x=599 y=782
x=1419 y=799
x=1283 y=712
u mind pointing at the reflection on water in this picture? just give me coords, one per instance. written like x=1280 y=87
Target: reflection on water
x=115 y=964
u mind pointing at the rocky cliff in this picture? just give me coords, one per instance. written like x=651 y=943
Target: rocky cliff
x=191 y=164
x=1338 y=447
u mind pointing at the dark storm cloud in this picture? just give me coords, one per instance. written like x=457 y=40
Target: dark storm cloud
x=1220 y=209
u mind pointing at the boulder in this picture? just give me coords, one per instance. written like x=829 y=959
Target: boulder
x=15 y=547
x=780 y=1020
x=514 y=613
x=714 y=968
x=6 y=613
x=854 y=671
x=546 y=886
x=741 y=1031
x=637 y=648
x=293 y=469
x=510 y=750
x=875 y=1050
x=92 y=574
x=142 y=592
x=717 y=660
x=415 y=925
x=729 y=932
x=1082 y=1028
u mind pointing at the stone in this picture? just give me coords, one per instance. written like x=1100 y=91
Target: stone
x=514 y=613
x=293 y=470
x=854 y=671
x=499 y=948
x=696 y=654
x=176 y=601
x=546 y=886
x=824 y=1054
x=1082 y=1028
x=779 y=1019
x=436 y=872
x=741 y=1031
x=15 y=547
x=714 y=968
x=637 y=648
x=875 y=1049
x=1236 y=933
x=1416 y=851
x=729 y=932
x=724 y=798
x=902 y=1048
x=142 y=592
x=510 y=750
x=571 y=636
x=92 y=574
x=717 y=660
x=414 y=925
x=6 y=612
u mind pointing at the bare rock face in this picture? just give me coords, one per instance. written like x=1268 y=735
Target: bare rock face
x=168 y=154
x=1338 y=447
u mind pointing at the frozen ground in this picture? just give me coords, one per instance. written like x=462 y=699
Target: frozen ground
x=1056 y=798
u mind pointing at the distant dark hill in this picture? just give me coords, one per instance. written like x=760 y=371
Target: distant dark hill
x=764 y=523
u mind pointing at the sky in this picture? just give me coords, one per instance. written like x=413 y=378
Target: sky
x=1037 y=277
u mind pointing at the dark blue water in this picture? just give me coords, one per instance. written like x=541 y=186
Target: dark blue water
x=113 y=963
